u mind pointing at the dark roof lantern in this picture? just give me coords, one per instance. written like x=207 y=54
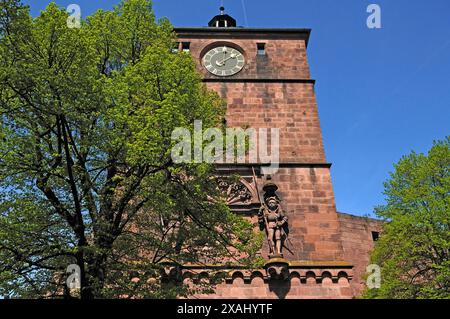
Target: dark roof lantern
x=222 y=20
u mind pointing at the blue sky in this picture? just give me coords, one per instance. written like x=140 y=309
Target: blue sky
x=381 y=93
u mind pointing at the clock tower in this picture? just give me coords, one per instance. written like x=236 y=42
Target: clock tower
x=264 y=76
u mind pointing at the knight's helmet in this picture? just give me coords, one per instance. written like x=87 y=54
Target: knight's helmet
x=270 y=190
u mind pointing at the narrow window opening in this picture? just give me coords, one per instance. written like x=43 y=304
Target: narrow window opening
x=186 y=46
x=375 y=235
x=261 y=48
x=176 y=47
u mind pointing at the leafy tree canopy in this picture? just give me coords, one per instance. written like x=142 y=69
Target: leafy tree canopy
x=414 y=248
x=86 y=175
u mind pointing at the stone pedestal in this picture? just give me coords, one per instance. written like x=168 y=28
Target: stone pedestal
x=277 y=268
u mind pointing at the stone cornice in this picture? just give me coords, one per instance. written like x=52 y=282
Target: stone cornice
x=275 y=269
x=244 y=33
x=292 y=264
x=256 y=80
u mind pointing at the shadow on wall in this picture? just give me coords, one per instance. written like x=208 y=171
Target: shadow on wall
x=280 y=287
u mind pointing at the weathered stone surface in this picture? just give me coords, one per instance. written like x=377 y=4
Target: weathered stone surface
x=357 y=239
x=275 y=91
x=285 y=58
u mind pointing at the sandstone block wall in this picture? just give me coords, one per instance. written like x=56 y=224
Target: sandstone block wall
x=290 y=107
x=358 y=242
x=284 y=58
x=275 y=91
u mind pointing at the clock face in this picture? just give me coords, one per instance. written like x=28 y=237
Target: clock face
x=223 y=61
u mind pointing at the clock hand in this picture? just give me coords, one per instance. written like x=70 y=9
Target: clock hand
x=224 y=57
x=221 y=63
x=224 y=52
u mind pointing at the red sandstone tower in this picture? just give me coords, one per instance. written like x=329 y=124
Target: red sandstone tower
x=266 y=82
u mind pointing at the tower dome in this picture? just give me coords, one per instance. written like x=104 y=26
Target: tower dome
x=222 y=20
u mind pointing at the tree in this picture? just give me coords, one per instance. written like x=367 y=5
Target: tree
x=86 y=174
x=414 y=248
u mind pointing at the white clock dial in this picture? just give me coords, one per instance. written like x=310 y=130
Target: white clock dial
x=224 y=61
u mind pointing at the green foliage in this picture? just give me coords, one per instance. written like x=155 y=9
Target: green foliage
x=86 y=175
x=414 y=249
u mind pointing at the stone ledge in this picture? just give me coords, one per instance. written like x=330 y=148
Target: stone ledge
x=292 y=264
x=303 y=270
x=320 y=264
